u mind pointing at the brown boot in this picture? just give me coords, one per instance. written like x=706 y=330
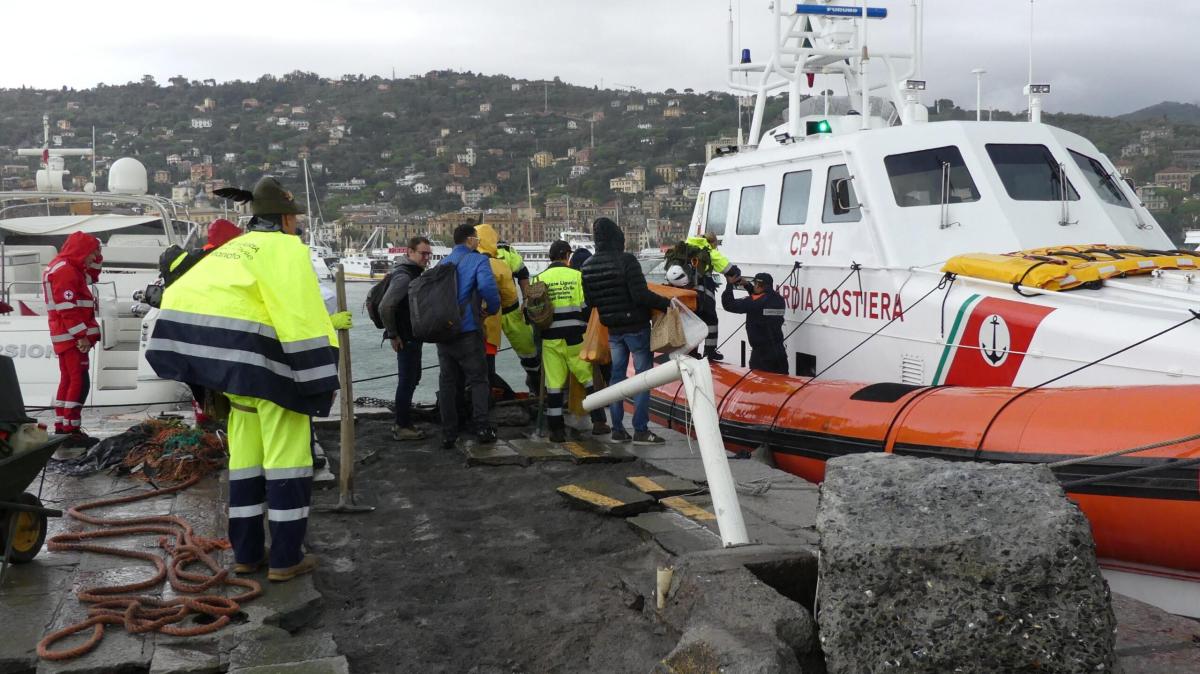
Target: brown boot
x=247 y=569
x=306 y=565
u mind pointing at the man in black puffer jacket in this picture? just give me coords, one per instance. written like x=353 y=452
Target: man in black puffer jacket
x=613 y=283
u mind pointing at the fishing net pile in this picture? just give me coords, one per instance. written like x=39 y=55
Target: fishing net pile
x=156 y=449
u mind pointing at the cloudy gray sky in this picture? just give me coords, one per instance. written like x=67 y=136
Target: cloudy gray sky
x=1102 y=56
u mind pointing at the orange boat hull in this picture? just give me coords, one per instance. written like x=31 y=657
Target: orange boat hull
x=1152 y=518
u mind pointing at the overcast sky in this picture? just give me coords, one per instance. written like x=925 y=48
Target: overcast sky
x=1102 y=56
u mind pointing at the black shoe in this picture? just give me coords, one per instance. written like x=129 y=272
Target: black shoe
x=714 y=355
x=647 y=438
x=449 y=443
x=558 y=435
x=621 y=435
x=485 y=435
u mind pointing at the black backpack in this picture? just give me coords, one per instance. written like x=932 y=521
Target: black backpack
x=375 y=298
x=433 y=304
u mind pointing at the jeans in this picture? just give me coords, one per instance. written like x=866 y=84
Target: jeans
x=408 y=371
x=463 y=357
x=622 y=346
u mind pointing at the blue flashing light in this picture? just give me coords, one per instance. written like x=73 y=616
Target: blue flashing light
x=838 y=10
x=745 y=56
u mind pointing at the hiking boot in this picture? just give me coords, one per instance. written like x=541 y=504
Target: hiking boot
x=621 y=435
x=647 y=438
x=403 y=433
x=485 y=435
x=246 y=569
x=306 y=565
x=558 y=435
x=600 y=428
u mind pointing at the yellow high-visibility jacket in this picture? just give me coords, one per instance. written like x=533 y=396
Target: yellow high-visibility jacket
x=248 y=319
x=566 y=294
x=719 y=262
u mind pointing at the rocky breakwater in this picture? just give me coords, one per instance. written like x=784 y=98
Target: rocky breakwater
x=935 y=566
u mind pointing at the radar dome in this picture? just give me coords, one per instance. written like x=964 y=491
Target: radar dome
x=127 y=176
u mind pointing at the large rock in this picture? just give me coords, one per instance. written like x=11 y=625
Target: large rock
x=935 y=566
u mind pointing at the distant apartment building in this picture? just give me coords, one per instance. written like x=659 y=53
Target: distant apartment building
x=201 y=123
x=299 y=124
x=634 y=107
x=454 y=188
x=299 y=110
x=572 y=124
x=597 y=116
x=459 y=170
x=445 y=132
x=673 y=112
x=1136 y=150
x=1175 y=178
x=583 y=156
x=173 y=159
x=542 y=159
x=516 y=86
x=467 y=157
x=275 y=147
x=472 y=198
x=63 y=124
x=283 y=121
x=667 y=172
x=1156 y=133
x=352 y=185
x=201 y=172
x=250 y=103
x=503 y=175
x=420 y=188
x=488 y=189
x=627 y=184
x=183 y=193
x=580 y=170
x=485 y=107
x=1124 y=168
x=1153 y=198
x=208 y=105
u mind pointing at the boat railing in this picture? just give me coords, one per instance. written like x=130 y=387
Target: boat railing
x=8 y=292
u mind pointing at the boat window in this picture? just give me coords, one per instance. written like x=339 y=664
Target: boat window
x=1102 y=181
x=918 y=177
x=793 y=199
x=1031 y=173
x=835 y=212
x=750 y=209
x=718 y=211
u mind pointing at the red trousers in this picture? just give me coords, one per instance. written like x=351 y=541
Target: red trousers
x=73 y=387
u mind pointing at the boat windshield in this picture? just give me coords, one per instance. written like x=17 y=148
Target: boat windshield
x=1101 y=180
x=919 y=178
x=1030 y=173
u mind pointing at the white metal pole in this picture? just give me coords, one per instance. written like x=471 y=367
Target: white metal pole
x=862 y=69
x=979 y=93
x=697 y=386
x=1029 y=81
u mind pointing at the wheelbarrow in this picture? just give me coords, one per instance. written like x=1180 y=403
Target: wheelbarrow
x=22 y=517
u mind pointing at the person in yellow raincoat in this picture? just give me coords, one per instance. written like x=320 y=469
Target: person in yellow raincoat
x=508 y=298
x=512 y=320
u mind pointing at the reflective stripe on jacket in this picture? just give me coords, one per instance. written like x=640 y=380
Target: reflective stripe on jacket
x=248 y=319
x=566 y=294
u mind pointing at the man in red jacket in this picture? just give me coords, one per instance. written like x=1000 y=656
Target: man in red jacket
x=73 y=327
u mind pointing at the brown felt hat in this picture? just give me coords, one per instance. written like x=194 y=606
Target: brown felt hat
x=270 y=198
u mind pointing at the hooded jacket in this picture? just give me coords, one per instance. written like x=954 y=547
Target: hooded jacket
x=476 y=285
x=71 y=308
x=488 y=240
x=393 y=308
x=614 y=284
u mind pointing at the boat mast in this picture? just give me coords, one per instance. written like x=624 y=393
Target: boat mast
x=308 y=203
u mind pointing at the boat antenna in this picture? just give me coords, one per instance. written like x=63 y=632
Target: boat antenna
x=308 y=200
x=1029 y=81
x=94 y=156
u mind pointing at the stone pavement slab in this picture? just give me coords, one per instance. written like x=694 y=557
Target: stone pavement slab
x=651 y=525
x=185 y=656
x=595 y=451
x=608 y=498
x=661 y=486
x=337 y=665
x=498 y=453
x=541 y=450
x=251 y=653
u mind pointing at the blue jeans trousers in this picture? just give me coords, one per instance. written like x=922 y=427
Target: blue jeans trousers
x=636 y=344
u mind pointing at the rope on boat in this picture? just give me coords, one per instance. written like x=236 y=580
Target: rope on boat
x=1170 y=463
x=1123 y=452
x=1195 y=315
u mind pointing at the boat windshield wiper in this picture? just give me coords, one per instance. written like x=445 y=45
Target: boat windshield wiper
x=1063 y=186
x=946 y=186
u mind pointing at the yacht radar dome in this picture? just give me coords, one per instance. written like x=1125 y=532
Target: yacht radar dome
x=127 y=176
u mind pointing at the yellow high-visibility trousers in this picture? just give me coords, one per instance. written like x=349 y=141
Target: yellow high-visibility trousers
x=270 y=473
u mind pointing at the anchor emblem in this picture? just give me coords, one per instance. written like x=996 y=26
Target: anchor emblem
x=994 y=340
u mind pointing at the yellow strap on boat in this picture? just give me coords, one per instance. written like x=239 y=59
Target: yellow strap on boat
x=1065 y=267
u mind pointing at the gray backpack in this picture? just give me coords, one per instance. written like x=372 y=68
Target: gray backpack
x=433 y=304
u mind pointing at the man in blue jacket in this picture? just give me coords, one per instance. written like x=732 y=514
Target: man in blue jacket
x=463 y=358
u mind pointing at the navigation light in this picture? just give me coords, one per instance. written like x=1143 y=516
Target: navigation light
x=817 y=126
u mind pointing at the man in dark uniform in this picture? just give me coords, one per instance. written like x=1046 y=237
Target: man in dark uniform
x=764 y=319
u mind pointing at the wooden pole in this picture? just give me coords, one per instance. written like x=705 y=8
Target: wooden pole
x=346 y=478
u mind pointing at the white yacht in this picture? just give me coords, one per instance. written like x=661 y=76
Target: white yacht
x=33 y=225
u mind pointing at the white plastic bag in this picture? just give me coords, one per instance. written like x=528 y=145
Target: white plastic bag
x=694 y=329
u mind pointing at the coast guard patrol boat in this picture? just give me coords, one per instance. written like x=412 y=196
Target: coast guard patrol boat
x=993 y=256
